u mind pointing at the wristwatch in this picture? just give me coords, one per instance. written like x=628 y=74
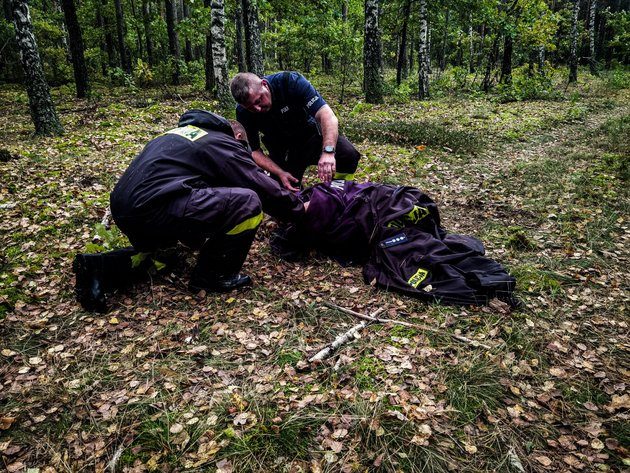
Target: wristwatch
x=329 y=149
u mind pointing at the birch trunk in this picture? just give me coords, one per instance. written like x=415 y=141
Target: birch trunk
x=471 y=44
x=219 y=59
x=541 y=60
x=592 y=62
x=253 y=44
x=146 y=20
x=76 y=48
x=423 y=60
x=240 y=27
x=209 y=66
x=444 y=39
x=372 y=61
x=573 y=61
x=41 y=106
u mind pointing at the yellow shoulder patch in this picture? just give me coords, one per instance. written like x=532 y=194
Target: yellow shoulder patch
x=418 y=277
x=189 y=132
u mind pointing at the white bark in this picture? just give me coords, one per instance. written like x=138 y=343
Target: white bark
x=219 y=59
x=423 y=59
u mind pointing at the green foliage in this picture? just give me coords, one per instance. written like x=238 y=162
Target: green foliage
x=108 y=239
x=618 y=79
x=142 y=75
x=413 y=133
x=526 y=87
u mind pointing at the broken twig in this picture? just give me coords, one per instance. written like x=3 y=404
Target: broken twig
x=344 y=338
x=359 y=315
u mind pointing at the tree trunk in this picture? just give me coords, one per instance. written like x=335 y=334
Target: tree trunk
x=592 y=61
x=573 y=61
x=188 y=52
x=429 y=48
x=6 y=6
x=219 y=59
x=240 y=54
x=402 y=70
x=253 y=45
x=125 y=62
x=209 y=67
x=138 y=27
x=42 y=108
x=109 y=40
x=541 y=60
x=423 y=59
x=471 y=44
x=173 y=39
x=64 y=36
x=372 y=61
x=492 y=57
x=76 y=48
x=506 y=64
x=100 y=26
x=444 y=39
x=146 y=20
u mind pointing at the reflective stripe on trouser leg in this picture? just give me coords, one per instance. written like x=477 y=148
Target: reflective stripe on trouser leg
x=248 y=224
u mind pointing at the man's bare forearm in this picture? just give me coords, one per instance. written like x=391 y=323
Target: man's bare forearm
x=329 y=126
x=266 y=163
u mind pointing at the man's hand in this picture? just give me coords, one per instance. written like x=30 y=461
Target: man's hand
x=286 y=179
x=326 y=167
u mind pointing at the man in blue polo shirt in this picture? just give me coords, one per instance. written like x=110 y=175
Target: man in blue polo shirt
x=298 y=128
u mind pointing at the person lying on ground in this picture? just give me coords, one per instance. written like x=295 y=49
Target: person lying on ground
x=195 y=184
x=298 y=128
x=395 y=232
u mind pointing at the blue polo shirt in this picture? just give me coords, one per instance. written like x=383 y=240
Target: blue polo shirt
x=291 y=120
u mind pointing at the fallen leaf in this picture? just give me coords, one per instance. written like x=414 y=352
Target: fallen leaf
x=543 y=460
x=176 y=428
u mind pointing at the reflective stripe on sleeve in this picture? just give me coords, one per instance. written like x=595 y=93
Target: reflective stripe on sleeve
x=344 y=176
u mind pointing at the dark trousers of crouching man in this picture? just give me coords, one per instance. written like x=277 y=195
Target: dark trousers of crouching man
x=220 y=222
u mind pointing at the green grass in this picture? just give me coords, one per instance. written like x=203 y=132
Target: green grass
x=473 y=388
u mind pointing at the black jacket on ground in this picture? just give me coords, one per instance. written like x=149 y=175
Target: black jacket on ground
x=201 y=152
x=395 y=232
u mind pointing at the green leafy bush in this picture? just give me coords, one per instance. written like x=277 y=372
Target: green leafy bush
x=142 y=75
x=524 y=87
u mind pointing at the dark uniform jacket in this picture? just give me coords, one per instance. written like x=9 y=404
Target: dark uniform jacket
x=201 y=152
x=395 y=232
x=291 y=120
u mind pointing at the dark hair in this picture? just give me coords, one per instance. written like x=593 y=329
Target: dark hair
x=241 y=84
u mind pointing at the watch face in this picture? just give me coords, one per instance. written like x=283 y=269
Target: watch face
x=329 y=149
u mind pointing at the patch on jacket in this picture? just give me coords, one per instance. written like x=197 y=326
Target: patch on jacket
x=189 y=132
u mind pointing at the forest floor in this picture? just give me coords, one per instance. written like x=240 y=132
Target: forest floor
x=168 y=380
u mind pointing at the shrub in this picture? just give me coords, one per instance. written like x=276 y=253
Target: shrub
x=525 y=87
x=142 y=75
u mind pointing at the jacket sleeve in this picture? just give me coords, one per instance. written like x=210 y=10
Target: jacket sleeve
x=238 y=169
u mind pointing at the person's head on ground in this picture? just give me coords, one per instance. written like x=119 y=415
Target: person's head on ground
x=251 y=92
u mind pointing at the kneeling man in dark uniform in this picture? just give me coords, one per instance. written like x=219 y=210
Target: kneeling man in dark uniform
x=196 y=184
x=298 y=128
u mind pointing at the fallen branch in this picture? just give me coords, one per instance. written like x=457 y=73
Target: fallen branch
x=344 y=338
x=372 y=319
x=107 y=218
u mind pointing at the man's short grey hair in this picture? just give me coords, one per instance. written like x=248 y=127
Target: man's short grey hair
x=241 y=85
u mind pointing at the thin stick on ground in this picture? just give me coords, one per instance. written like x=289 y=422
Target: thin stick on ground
x=344 y=338
x=359 y=315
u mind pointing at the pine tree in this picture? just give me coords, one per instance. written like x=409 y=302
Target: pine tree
x=76 y=48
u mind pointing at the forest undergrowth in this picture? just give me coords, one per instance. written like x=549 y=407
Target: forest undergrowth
x=172 y=381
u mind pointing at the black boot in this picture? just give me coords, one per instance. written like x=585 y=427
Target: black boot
x=101 y=273
x=89 y=289
x=219 y=263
